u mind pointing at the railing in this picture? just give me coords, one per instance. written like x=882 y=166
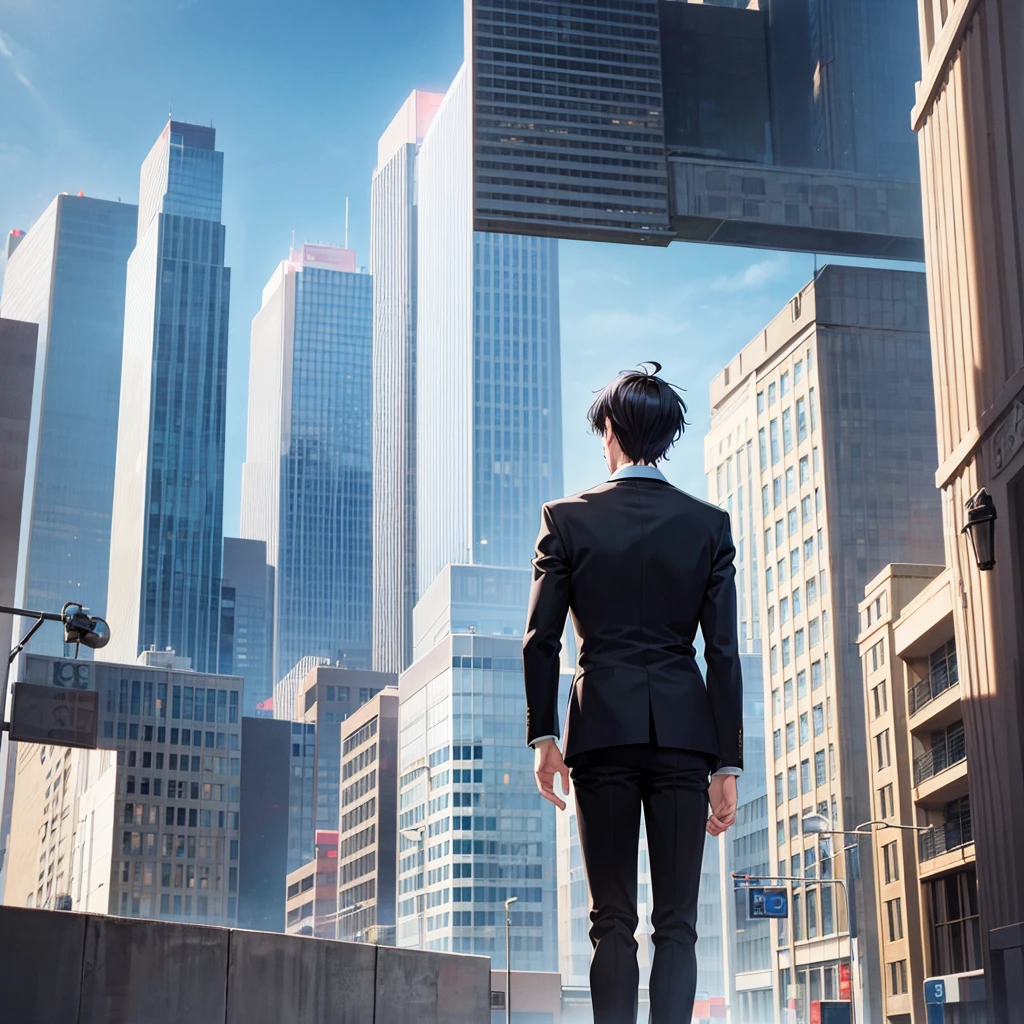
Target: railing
x=949 y=752
x=927 y=690
x=950 y=835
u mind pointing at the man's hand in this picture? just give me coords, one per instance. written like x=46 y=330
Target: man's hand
x=547 y=764
x=722 y=800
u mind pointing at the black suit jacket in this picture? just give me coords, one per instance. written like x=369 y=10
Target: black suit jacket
x=640 y=565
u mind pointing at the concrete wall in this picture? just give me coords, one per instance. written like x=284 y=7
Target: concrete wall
x=64 y=968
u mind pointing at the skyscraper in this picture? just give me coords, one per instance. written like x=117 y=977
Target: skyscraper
x=247 y=619
x=306 y=482
x=393 y=266
x=832 y=437
x=166 y=534
x=489 y=418
x=68 y=276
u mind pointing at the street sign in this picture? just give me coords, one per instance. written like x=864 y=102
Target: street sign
x=935 y=990
x=60 y=715
x=764 y=902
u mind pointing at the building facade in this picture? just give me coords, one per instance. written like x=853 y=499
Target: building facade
x=311 y=902
x=166 y=531
x=393 y=262
x=68 y=275
x=926 y=878
x=827 y=386
x=306 y=479
x=147 y=825
x=489 y=439
x=247 y=619
x=368 y=821
x=970 y=131
x=472 y=830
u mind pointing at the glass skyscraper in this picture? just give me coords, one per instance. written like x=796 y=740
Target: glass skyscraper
x=166 y=535
x=393 y=266
x=68 y=276
x=306 y=482
x=489 y=417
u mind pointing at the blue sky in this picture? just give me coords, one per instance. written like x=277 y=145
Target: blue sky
x=299 y=93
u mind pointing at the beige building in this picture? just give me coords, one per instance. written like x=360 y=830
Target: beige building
x=148 y=825
x=311 y=896
x=806 y=415
x=926 y=883
x=368 y=819
x=970 y=121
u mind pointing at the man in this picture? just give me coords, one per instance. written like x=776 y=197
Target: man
x=640 y=565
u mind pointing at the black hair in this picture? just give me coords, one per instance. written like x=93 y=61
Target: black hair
x=647 y=413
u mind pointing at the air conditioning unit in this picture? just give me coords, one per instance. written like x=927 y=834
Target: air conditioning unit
x=497 y=1000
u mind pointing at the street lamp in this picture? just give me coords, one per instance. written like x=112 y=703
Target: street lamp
x=79 y=627
x=508 y=959
x=420 y=834
x=981 y=528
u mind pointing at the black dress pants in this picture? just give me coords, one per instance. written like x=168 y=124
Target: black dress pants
x=611 y=786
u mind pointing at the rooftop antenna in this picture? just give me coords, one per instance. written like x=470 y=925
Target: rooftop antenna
x=346 y=222
x=170 y=110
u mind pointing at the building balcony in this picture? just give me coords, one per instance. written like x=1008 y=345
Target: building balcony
x=952 y=750
x=952 y=835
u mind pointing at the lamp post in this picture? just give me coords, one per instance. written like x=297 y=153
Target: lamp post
x=508 y=959
x=420 y=834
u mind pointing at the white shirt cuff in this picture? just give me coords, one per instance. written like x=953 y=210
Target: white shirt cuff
x=540 y=739
x=729 y=771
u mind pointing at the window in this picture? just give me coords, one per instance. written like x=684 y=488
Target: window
x=771 y=619
x=781 y=569
x=881 y=703
x=780 y=833
x=771 y=393
x=778 y=789
x=791 y=783
x=794 y=562
x=801 y=684
x=818 y=716
x=784 y=611
x=821 y=544
x=798 y=372
x=794 y=826
x=784 y=384
x=792 y=522
x=816 y=461
x=814 y=409
x=787 y=688
x=773 y=659
x=790 y=480
x=780 y=532
x=801 y=420
x=764 y=500
x=760 y=401
x=890 y=857
x=805 y=470
x=777 y=743
x=768 y=579
x=798 y=642
x=886 y=807
x=787 y=431
x=773 y=434
x=898 y=977
x=882 y=753
x=819 y=768
x=790 y=736
x=812 y=913
x=814 y=633
x=776 y=702
x=812 y=592
x=805 y=731
x=808 y=549
x=786 y=656
x=805 y=775
x=805 y=509
x=894 y=913
x=762 y=448
x=953 y=921
x=798 y=924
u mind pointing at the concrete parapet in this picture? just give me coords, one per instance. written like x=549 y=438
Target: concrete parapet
x=66 y=968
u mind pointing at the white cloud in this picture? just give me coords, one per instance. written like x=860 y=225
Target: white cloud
x=24 y=79
x=757 y=275
x=5 y=45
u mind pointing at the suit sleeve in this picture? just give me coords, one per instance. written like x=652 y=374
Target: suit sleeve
x=718 y=623
x=545 y=620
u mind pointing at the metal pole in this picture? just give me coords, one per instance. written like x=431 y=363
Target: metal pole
x=422 y=894
x=508 y=959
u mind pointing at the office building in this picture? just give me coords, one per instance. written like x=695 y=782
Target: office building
x=393 y=266
x=247 y=619
x=14 y=238
x=306 y=478
x=489 y=442
x=166 y=533
x=288 y=688
x=969 y=128
x=67 y=275
x=312 y=890
x=148 y=825
x=368 y=821
x=926 y=880
x=472 y=831
x=266 y=783
x=821 y=395
x=772 y=125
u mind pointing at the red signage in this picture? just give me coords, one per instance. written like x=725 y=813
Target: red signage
x=844 y=981
x=815 y=1011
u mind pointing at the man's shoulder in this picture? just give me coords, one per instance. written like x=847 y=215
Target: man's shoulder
x=609 y=490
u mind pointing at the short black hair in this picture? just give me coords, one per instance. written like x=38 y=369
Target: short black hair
x=647 y=413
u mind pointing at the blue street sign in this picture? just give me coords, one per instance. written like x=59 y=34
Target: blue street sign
x=935 y=991
x=763 y=902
